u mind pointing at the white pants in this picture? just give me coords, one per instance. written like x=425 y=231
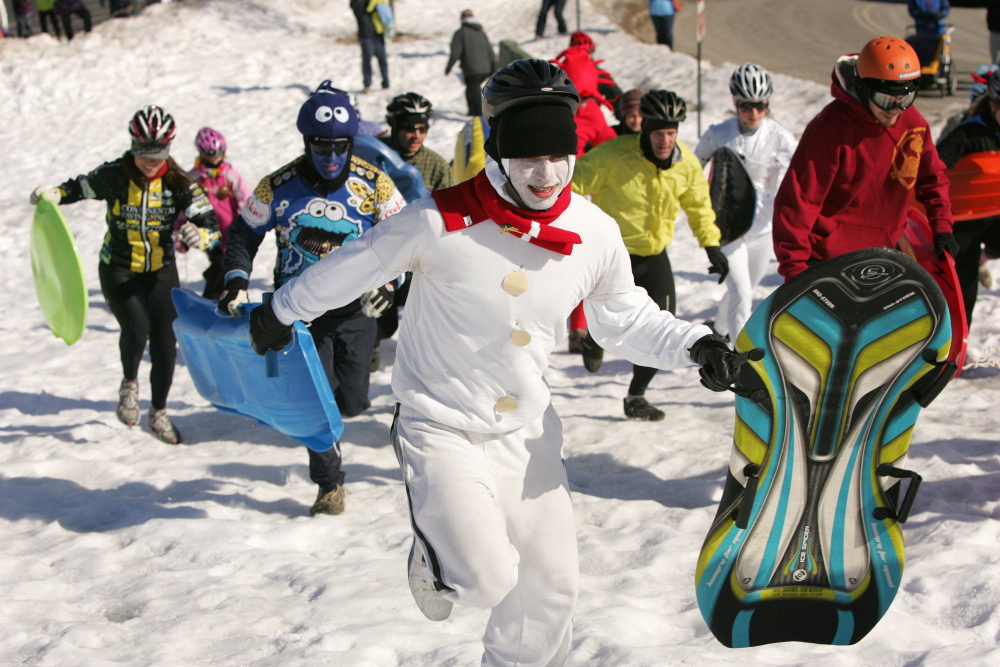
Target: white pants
x=494 y=515
x=748 y=257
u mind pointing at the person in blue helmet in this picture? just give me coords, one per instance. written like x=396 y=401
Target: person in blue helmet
x=316 y=204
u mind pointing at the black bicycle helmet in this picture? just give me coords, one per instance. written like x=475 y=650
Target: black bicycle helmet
x=408 y=104
x=664 y=105
x=525 y=82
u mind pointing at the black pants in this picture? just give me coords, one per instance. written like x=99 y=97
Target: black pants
x=373 y=46
x=544 y=14
x=652 y=273
x=44 y=18
x=141 y=303
x=474 y=92
x=971 y=236
x=84 y=15
x=664 y=27
x=345 y=346
x=214 y=275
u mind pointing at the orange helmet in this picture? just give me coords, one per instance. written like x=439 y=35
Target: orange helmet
x=888 y=59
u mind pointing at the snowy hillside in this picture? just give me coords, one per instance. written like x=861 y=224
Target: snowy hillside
x=117 y=549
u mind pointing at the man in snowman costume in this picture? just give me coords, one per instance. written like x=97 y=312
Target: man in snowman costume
x=498 y=263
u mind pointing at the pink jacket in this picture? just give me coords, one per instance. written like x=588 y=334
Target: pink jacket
x=226 y=189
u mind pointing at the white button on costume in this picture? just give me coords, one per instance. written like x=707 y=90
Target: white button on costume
x=476 y=436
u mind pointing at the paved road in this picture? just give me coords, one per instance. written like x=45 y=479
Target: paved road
x=803 y=38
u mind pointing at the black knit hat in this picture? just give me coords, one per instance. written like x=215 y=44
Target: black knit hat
x=533 y=131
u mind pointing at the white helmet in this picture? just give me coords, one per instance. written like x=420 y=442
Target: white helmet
x=751 y=83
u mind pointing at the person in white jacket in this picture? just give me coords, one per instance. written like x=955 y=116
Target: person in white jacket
x=767 y=149
x=498 y=263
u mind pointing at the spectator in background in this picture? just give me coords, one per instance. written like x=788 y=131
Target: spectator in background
x=46 y=15
x=629 y=117
x=543 y=15
x=662 y=13
x=993 y=24
x=119 y=8
x=470 y=47
x=372 y=43
x=928 y=15
x=22 y=12
x=66 y=9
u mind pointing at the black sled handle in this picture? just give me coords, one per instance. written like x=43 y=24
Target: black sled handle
x=946 y=372
x=271 y=356
x=902 y=513
x=749 y=493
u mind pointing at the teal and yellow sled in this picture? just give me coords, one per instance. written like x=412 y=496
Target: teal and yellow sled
x=807 y=545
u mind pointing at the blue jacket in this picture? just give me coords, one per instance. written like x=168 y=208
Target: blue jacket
x=661 y=8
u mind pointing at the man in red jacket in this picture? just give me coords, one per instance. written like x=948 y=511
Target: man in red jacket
x=849 y=183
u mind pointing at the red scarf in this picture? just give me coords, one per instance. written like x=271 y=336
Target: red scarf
x=475 y=200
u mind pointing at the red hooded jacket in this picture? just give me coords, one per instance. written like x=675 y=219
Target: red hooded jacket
x=851 y=180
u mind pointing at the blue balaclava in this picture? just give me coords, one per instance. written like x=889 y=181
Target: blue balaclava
x=326 y=120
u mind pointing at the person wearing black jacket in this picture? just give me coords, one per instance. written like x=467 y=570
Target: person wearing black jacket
x=372 y=44
x=471 y=48
x=979 y=132
x=146 y=191
x=993 y=25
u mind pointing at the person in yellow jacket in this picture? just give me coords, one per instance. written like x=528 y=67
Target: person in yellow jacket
x=643 y=181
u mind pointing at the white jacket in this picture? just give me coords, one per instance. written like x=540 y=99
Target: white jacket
x=767 y=153
x=457 y=360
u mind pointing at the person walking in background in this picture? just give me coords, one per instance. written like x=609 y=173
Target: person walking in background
x=643 y=181
x=47 y=16
x=979 y=132
x=22 y=16
x=470 y=47
x=993 y=25
x=145 y=191
x=928 y=15
x=372 y=44
x=766 y=148
x=860 y=162
x=318 y=204
x=662 y=13
x=478 y=441
x=67 y=9
x=227 y=191
x=543 y=15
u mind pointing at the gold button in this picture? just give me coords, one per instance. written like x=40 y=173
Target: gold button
x=520 y=338
x=506 y=404
x=515 y=283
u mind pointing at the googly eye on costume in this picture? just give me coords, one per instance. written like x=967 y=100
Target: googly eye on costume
x=316 y=208
x=324 y=114
x=335 y=212
x=341 y=114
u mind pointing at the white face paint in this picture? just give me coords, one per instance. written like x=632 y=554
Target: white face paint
x=539 y=180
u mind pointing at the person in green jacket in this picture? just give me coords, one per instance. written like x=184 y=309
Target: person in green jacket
x=642 y=181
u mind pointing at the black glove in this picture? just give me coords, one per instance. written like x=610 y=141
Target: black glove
x=376 y=302
x=715 y=358
x=945 y=243
x=234 y=296
x=266 y=331
x=718 y=261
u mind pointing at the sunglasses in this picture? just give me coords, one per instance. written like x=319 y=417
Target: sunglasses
x=888 y=102
x=420 y=129
x=747 y=107
x=339 y=145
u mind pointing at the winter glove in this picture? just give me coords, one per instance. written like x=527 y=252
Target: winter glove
x=376 y=302
x=190 y=235
x=234 y=296
x=945 y=243
x=715 y=358
x=718 y=261
x=52 y=193
x=266 y=331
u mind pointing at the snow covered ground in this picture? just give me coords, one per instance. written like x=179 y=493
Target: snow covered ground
x=116 y=549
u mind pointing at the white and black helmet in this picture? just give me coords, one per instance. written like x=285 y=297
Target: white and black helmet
x=408 y=105
x=152 y=126
x=751 y=83
x=531 y=81
x=663 y=105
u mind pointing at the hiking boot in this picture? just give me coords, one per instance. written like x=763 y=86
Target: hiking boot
x=329 y=502
x=576 y=337
x=432 y=605
x=638 y=408
x=376 y=358
x=593 y=354
x=162 y=427
x=128 y=402
x=985 y=279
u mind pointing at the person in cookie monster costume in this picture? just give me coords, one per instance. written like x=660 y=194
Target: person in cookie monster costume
x=315 y=204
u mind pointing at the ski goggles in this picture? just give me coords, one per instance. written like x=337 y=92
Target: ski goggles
x=338 y=145
x=889 y=101
x=747 y=107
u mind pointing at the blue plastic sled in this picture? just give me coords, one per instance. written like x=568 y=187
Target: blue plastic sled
x=229 y=374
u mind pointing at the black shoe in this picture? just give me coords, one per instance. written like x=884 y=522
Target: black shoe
x=593 y=354
x=376 y=358
x=638 y=408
